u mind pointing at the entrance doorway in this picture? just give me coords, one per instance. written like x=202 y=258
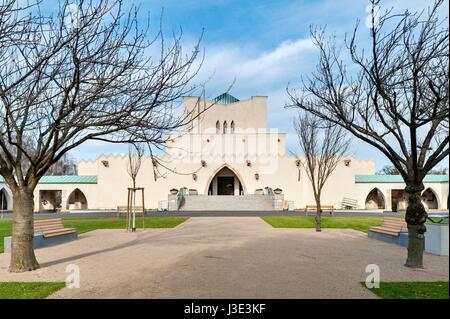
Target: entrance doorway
x=77 y=200
x=398 y=200
x=225 y=185
x=429 y=200
x=50 y=200
x=375 y=199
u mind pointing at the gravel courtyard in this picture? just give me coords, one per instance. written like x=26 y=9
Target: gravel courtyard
x=224 y=257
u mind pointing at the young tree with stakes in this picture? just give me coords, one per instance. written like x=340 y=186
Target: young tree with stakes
x=89 y=72
x=322 y=152
x=395 y=98
x=135 y=154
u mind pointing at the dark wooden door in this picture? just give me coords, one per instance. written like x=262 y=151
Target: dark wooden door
x=225 y=185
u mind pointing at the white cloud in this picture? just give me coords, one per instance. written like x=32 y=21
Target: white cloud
x=254 y=70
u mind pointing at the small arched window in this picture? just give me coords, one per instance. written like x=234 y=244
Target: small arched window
x=217 y=127
x=232 y=127
x=3 y=200
x=225 y=127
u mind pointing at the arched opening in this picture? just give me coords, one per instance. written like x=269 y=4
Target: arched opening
x=77 y=200
x=217 y=127
x=50 y=200
x=3 y=199
x=429 y=199
x=225 y=182
x=375 y=200
x=232 y=127
x=225 y=127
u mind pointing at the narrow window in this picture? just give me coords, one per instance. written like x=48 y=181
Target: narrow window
x=225 y=127
x=232 y=127
x=217 y=127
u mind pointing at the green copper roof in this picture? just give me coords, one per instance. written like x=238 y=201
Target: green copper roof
x=225 y=98
x=66 y=179
x=397 y=179
x=69 y=179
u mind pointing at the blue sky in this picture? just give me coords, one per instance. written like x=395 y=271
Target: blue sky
x=263 y=45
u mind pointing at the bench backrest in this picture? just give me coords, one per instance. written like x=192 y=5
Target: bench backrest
x=48 y=224
x=396 y=223
x=124 y=208
x=321 y=206
x=350 y=201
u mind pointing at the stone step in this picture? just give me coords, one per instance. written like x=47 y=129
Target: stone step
x=228 y=203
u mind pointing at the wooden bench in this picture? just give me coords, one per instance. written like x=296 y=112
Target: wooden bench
x=348 y=203
x=325 y=208
x=125 y=208
x=391 y=226
x=51 y=228
x=47 y=232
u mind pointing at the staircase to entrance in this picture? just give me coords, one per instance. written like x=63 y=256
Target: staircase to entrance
x=228 y=203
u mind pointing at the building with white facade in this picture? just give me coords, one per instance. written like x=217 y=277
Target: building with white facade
x=226 y=159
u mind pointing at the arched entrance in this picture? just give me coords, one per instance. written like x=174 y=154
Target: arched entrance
x=225 y=182
x=3 y=199
x=429 y=199
x=375 y=200
x=77 y=200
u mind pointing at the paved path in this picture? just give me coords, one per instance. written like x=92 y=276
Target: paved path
x=224 y=257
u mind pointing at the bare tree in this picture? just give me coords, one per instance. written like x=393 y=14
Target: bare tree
x=135 y=154
x=88 y=72
x=395 y=98
x=65 y=166
x=391 y=170
x=10 y=21
x=388 y=170
x=322 y=152
x=439 y=171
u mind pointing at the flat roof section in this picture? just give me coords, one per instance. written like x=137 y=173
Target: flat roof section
x=397 y=179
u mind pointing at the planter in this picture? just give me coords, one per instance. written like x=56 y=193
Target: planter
x=174 y=191
x=436 y=239
x=277 y=191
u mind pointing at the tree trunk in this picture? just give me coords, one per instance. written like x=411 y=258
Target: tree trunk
x=416 y=217
x=318 y=215
x=22 y=252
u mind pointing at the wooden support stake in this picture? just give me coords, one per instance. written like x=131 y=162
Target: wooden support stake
x=130 y=206
x=143 y=210
x=128 y=210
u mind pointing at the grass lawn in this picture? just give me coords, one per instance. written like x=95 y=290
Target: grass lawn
x=84 y=225
x=87 y=224
x=361 y=223
x=412 y=290
x=5 y=230
x=28 y=290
